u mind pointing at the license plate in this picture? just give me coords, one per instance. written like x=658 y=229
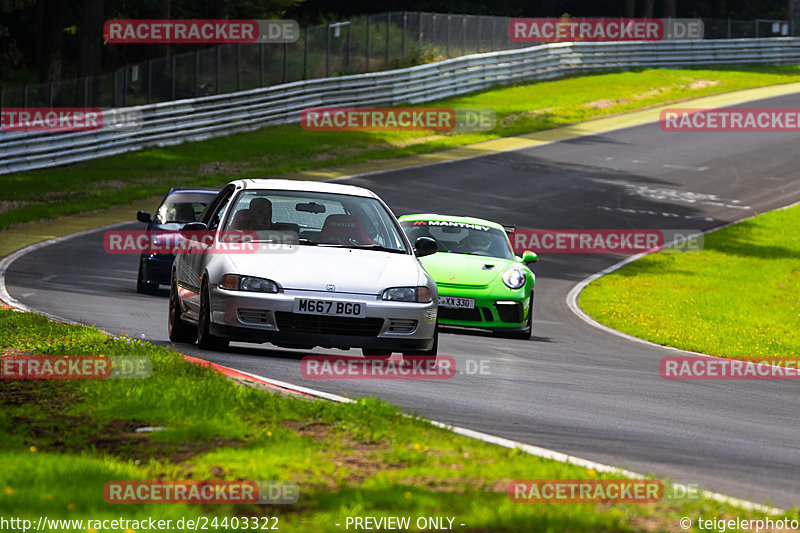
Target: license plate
x=329 y=307
x=454 y=302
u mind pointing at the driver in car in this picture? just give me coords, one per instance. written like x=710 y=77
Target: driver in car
x=257 y=217
x=260 y=214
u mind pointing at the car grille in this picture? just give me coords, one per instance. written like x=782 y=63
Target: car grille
x=471 y=315
x=402 y=326
x=328 y=325
x=254 y=316
x=510 y=312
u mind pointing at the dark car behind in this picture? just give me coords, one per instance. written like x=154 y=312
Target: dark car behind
x=179 y=207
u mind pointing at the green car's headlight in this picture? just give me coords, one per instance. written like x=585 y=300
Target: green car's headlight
x=514 y=278
x=232 y=282
x=407 y=294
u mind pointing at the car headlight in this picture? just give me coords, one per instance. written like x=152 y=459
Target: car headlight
x=514 y=278
x=234 y=282
x=407 y=294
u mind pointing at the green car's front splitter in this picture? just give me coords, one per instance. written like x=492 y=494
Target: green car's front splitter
x=492 y=311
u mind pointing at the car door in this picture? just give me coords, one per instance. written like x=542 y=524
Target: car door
x=192 y=265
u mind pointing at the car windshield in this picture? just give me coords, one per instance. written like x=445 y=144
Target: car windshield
x=312 y=218
x=461 y=237
x=182 y=207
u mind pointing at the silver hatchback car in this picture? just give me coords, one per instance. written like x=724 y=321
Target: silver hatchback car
x=328 y=265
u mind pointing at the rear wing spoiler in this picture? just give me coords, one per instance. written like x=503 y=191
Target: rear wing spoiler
x=510 y=228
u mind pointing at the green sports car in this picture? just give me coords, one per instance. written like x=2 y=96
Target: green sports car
x=482 y=284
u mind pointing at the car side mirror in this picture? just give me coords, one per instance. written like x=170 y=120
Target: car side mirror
x=143 y=216
x=529 y=257
x=425 y=246
x=192 y=230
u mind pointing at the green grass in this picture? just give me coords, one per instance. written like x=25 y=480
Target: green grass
x=64 y=439
x=275 y=150
x=736 y=298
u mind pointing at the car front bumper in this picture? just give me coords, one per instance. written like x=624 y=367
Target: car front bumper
x=157 y=268
x=268 y=317
x=494 y=309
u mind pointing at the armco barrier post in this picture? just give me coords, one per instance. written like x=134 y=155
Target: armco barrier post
x=405 y=28
x=349 y=26
x=463 y=35
x=305 y=55
x=261 y=64
x=219 y=60
x=388 y=23
x=285 y=76
x=447 y=38
x=238 y=67
x=328 y=51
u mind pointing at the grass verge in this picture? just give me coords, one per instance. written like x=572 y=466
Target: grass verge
x=697 y=301
x=64 y=439
x=275 y=150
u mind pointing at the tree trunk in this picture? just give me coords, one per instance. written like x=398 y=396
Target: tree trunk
x=91 y=49
x=670 y=9
x=794 y=17
x=630 y=8
x=648 y=9
x=91 y=45
x=52 y=50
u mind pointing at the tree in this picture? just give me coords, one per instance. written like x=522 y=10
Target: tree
x=794 y=17
x=91 y=38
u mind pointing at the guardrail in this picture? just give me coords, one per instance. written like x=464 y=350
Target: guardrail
x=196 y=119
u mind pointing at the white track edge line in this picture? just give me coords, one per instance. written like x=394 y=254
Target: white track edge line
x=574 y=293
x=530 y=449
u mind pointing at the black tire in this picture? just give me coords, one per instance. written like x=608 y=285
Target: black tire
x=524 y=335
x=424 y=355
x=179 y=331
x=142 y=286
x=205 y=339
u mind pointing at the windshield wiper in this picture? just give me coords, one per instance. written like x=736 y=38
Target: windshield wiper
x=378 y=247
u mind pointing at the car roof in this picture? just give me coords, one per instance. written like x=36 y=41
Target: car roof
x=450 y=218
x=304 y=186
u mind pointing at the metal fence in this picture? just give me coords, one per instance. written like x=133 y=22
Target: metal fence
x=362 y=44
x=211 y=116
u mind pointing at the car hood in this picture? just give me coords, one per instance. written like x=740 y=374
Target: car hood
x=464 y=270
x=317 y=267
